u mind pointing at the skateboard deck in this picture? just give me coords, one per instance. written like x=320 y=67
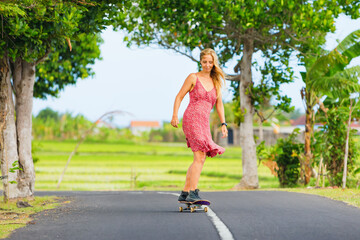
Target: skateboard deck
x=193 y=206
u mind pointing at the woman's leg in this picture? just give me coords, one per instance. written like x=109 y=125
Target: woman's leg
x=194 y=171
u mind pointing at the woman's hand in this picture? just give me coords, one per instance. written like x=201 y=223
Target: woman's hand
x=224 y=131
x=175 y=121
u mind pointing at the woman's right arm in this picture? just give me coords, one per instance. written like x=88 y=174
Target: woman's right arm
x=186 y=87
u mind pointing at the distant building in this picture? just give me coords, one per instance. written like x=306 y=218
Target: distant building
x=356 y=125
x=137 y=127
x=269 y=134
x=300 y=123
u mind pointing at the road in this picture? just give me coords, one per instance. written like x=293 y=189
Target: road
x=155 y=215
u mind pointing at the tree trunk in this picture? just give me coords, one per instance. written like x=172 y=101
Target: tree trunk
x=308 y=134
x=347 y=148
x=261 y=131
x=8 y=141
x=250 y=178
x=24 y=79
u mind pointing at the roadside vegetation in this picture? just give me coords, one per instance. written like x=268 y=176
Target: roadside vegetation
x=119 y=165
x=12 y=217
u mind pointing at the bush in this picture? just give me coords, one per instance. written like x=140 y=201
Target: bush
x=287 y=152
x=283 y=159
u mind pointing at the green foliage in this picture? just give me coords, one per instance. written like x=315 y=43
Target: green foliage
x=12 y=8
x=275 y=72
x=262 y=152
x=51 y=125
x=33 y=30
x=327 y=75
x=332 y=139
x=48 y=113
x=278 y=28
x=287 y=153
x=65 y=67
x=45 y=25
x=35 y=148
x=14 y=167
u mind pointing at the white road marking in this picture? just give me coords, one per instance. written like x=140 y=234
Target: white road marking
x=222 y=229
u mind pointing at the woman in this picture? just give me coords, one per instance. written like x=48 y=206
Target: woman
x=204 y=89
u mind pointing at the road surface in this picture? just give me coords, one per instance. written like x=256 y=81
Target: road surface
x=232 y=215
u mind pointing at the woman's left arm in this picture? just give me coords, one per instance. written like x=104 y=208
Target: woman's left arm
x=221 y=113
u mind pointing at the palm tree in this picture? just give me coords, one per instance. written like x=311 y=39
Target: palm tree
x=328 y=75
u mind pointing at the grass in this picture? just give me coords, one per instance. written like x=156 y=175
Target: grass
x=126 y=166
x=349 y=196
x=12 y=217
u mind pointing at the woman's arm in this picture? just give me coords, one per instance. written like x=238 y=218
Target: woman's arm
x=221 y=113
x=186 y=87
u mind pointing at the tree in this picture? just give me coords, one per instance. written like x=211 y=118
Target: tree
x=328 y=76
x=38 y=30
x=48 y=113
x=236 y=30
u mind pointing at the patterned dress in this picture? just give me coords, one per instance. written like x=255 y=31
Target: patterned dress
x=196 y=124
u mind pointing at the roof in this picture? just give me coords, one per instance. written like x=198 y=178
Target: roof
x=144 y=124
x=355 y=125
x=301 y=121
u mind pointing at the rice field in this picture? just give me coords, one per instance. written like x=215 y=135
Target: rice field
x=128 y=166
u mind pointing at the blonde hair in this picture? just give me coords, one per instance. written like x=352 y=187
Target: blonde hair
x=216 y=72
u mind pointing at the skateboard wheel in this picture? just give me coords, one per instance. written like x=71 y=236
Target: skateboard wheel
x=180 y=209
x=205 y=209
x=192 y=209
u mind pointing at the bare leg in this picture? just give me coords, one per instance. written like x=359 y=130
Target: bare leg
x=194 y=171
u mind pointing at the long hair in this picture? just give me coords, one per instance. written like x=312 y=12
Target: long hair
x=216 y=72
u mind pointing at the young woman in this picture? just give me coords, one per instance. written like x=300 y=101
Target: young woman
x=204 y=88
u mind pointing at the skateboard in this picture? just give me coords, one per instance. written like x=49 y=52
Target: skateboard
x=192 y=206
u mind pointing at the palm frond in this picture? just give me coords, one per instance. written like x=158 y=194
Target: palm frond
x=348 y=42
x=303 y=76
x=324 y=65
x=352 y=52
x=339 y=58
x=340 y=84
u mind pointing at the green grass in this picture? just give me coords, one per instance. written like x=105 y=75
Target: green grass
x=349 y=196
x=115 y=165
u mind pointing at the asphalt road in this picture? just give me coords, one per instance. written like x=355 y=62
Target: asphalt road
x=233 y=215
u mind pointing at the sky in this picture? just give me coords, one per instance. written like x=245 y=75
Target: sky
x=144 y=81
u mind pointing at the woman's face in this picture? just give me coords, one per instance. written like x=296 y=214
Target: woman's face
x=207 y=63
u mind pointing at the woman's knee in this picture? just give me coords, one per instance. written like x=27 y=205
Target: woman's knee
x=199 y=157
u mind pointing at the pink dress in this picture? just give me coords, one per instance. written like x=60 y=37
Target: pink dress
x=196 y=124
